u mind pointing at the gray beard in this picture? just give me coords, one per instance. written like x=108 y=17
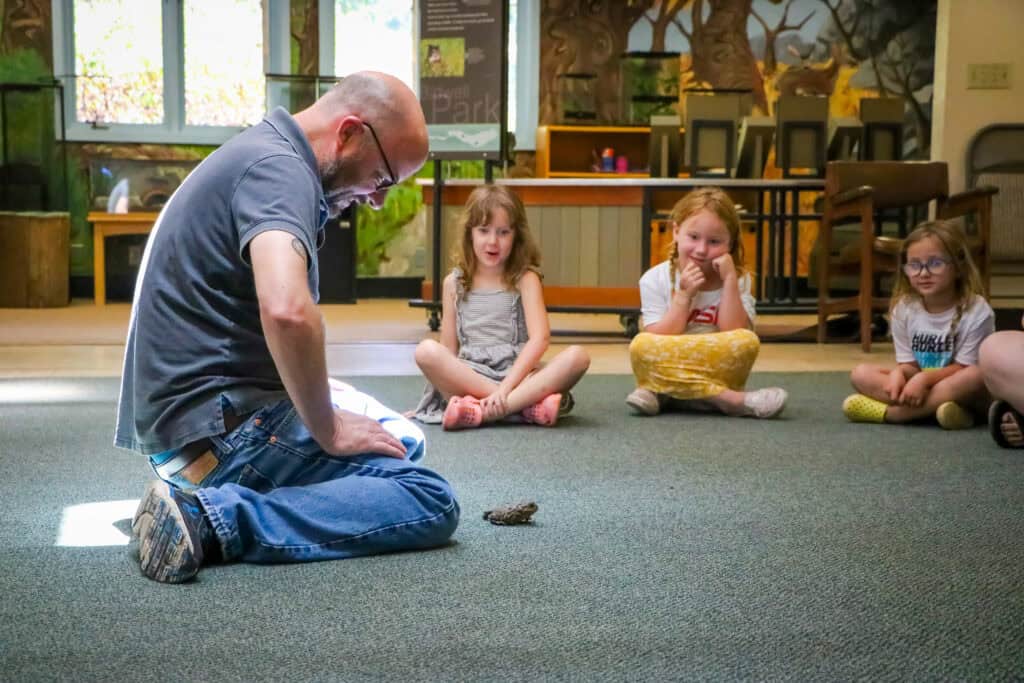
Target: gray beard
x=338 y=199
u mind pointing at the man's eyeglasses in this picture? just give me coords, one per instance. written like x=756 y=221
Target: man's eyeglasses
x=390 y=181
x=934 y=266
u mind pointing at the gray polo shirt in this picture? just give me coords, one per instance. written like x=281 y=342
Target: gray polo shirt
x=195 y=343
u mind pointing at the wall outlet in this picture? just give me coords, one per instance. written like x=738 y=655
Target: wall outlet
x=988 y=76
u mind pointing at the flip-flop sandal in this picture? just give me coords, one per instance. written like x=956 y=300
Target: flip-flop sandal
x=996 y=412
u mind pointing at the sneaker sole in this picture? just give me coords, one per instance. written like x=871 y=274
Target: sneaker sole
x=166 y=551
x=953 y=417
x=642 y=407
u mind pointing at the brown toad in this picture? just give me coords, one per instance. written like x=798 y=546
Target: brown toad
x=511 y=514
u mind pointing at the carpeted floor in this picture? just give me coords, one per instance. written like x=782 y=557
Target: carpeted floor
x=680 y=547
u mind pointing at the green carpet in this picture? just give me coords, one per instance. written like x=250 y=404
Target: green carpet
x=679 y=547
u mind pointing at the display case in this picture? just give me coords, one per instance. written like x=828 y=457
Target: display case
x=650 y=85
x=33 y=161
x=577 y=101
x=131 y=185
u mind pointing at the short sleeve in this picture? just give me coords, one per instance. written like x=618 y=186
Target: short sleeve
x=900 y=340
x=655 y=293
x=978 y=323
x=747 y=299
x=277 y=192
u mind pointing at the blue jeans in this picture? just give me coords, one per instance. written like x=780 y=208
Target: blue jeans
x=275 y=496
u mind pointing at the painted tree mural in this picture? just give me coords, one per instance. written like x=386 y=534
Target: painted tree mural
x=894 y=45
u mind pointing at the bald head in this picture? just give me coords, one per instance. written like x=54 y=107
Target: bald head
x=387 y=104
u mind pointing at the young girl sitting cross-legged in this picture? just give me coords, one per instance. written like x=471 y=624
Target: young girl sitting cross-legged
x=697 y=346
x=494 y=327
x=938 y=320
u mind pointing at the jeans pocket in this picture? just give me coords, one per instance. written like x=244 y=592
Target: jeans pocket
x=252 y=478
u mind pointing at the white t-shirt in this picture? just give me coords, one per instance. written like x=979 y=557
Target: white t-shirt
x=656 y=295
x=923 y=337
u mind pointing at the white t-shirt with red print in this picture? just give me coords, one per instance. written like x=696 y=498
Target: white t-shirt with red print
x=656 y=296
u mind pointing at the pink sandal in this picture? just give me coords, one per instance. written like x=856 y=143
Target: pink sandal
x=544 y=412
x=463 y=412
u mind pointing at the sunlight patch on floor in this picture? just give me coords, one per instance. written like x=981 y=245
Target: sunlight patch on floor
x=92 y=524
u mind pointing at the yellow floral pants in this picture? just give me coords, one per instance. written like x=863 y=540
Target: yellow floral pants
x=693 y=366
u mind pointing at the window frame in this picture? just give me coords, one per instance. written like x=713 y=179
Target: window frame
x=173 y=130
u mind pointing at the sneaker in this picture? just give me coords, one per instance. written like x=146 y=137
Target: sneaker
x=765 y=403
x=644 y=401
x=173 y=533
x=566 y=405
x=951 y=415
x=861 y=408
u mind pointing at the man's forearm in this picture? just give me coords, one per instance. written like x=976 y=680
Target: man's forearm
x=297 y=346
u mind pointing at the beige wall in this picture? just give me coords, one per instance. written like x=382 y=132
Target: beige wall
x=974 y=31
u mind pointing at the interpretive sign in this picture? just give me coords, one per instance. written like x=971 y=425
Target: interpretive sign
x=462 y=68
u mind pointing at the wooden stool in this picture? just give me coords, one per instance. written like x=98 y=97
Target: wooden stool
x=35 y=258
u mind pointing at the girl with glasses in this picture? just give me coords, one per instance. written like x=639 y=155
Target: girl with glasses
x=939 y=317
x=494 y=327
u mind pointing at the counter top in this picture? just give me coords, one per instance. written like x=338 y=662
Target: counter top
x=745 y=183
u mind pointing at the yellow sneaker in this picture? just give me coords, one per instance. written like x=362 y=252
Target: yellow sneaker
x=951 y=415
x=861 y=408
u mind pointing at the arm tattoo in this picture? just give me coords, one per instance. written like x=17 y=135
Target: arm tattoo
x=299 y=249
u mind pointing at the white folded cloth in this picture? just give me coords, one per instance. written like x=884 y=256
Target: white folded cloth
x=347 y=397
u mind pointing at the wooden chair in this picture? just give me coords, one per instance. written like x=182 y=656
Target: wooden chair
x=859 y=190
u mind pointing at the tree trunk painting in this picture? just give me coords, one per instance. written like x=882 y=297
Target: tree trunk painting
x=667 y=11
x=305 y=37
x=720 y=48
x=27 y=25
x=585 y=36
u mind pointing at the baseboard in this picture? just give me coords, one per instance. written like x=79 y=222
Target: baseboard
x=388 y=287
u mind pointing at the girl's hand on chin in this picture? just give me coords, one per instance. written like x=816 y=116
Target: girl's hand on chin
x=724 y=266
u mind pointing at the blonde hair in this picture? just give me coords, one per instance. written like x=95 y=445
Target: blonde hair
x=717 y=202
x=479 y=210
x=953 y=241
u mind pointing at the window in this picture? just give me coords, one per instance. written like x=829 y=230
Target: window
x=223 y=68
x=374 y=35
x=177 y=71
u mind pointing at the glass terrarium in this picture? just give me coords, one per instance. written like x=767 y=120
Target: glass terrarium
x=124 y=185
x=650 y=85
x=577 y=99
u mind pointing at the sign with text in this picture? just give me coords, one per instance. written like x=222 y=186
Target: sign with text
x=462 y=68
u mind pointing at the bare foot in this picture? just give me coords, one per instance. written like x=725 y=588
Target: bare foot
x=1011 y=430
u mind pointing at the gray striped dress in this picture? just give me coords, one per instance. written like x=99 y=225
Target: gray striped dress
x=490 y=326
